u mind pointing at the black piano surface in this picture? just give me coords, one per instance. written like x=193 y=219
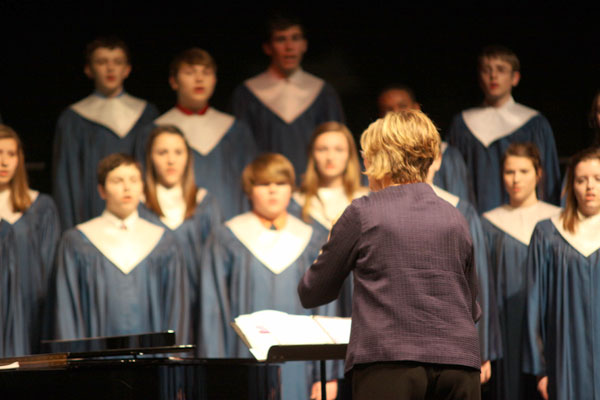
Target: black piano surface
x=144 y=378
x=147 y=366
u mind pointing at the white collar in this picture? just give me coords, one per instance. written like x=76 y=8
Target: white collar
x=6 y=209
x=172 y=204
x=276 y=249
x=203 y=132
x=520 y=222
x=586 y=239
x=444 y=147
x=489 y=124
x=119 y=114
x=329 y=204
x=287 y=97
x=449 y=197
x=125 y=248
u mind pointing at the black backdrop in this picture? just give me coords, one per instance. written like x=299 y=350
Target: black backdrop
x=358 y=49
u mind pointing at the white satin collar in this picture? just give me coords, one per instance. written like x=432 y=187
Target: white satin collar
x=126 y=242
x=444 y=147
x=449 y=197
x=276 y=249
x=172 y=204
x=119 y=114
x=329 y=204
x=6 y=208
x=289 y=97
x=489 y=124
x=203 y=132
x=520 y=222
x=586 y=239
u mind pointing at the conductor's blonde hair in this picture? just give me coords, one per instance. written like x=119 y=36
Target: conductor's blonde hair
x=400 y=147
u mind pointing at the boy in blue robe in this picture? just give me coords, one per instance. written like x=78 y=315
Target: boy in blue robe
x=256 y=260
x=222 y=145
x=483 y=133
x=284 y=104
x=119 y=274
x=452 y=175
x=105 y=122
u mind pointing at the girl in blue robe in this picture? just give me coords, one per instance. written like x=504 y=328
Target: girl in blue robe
x=255 y=267
x=331 y=181
x=119 y=274
x=33 y=220
x=11 y=331
x=562 y=316
x=174 y=202
x=508 y=230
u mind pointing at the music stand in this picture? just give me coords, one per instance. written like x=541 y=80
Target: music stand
x=308 y=352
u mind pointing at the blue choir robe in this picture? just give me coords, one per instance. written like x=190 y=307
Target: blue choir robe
x=453 y=176
x=488 y=325
x=253 y=269
x=191 y=234
x=119 y=277
x=508 y=232
x=12 y=336
x=36 y=233
x=325 y=208
x=561 y=337
x=482 y=135
x=222 y=147
x=283 y=113
x=86 y=132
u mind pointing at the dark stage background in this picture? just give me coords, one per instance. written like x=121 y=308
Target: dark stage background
x=358 y=49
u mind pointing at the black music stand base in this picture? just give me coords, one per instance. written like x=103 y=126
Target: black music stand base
x=309 y=352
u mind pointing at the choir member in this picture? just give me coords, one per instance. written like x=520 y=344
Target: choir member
x=330 y=183
x=413 y=332
x=483 y=133
x=284 y=104
x=119 y=274
x=221 y=144
x=12 y=336
x=34 y=222
x=173 y=201
x=562 y=315
x=594 y=120
x=452 y=176
x=488 y=325
x=107 y=121
x=332 y=177
x=508 y=230
x=257 y=259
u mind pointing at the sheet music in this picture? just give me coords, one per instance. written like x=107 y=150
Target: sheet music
x=263 y=329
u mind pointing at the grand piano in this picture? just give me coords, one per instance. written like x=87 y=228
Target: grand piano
x=148 y=366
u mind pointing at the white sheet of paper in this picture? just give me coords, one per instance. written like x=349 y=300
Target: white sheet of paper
x=267 y=328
